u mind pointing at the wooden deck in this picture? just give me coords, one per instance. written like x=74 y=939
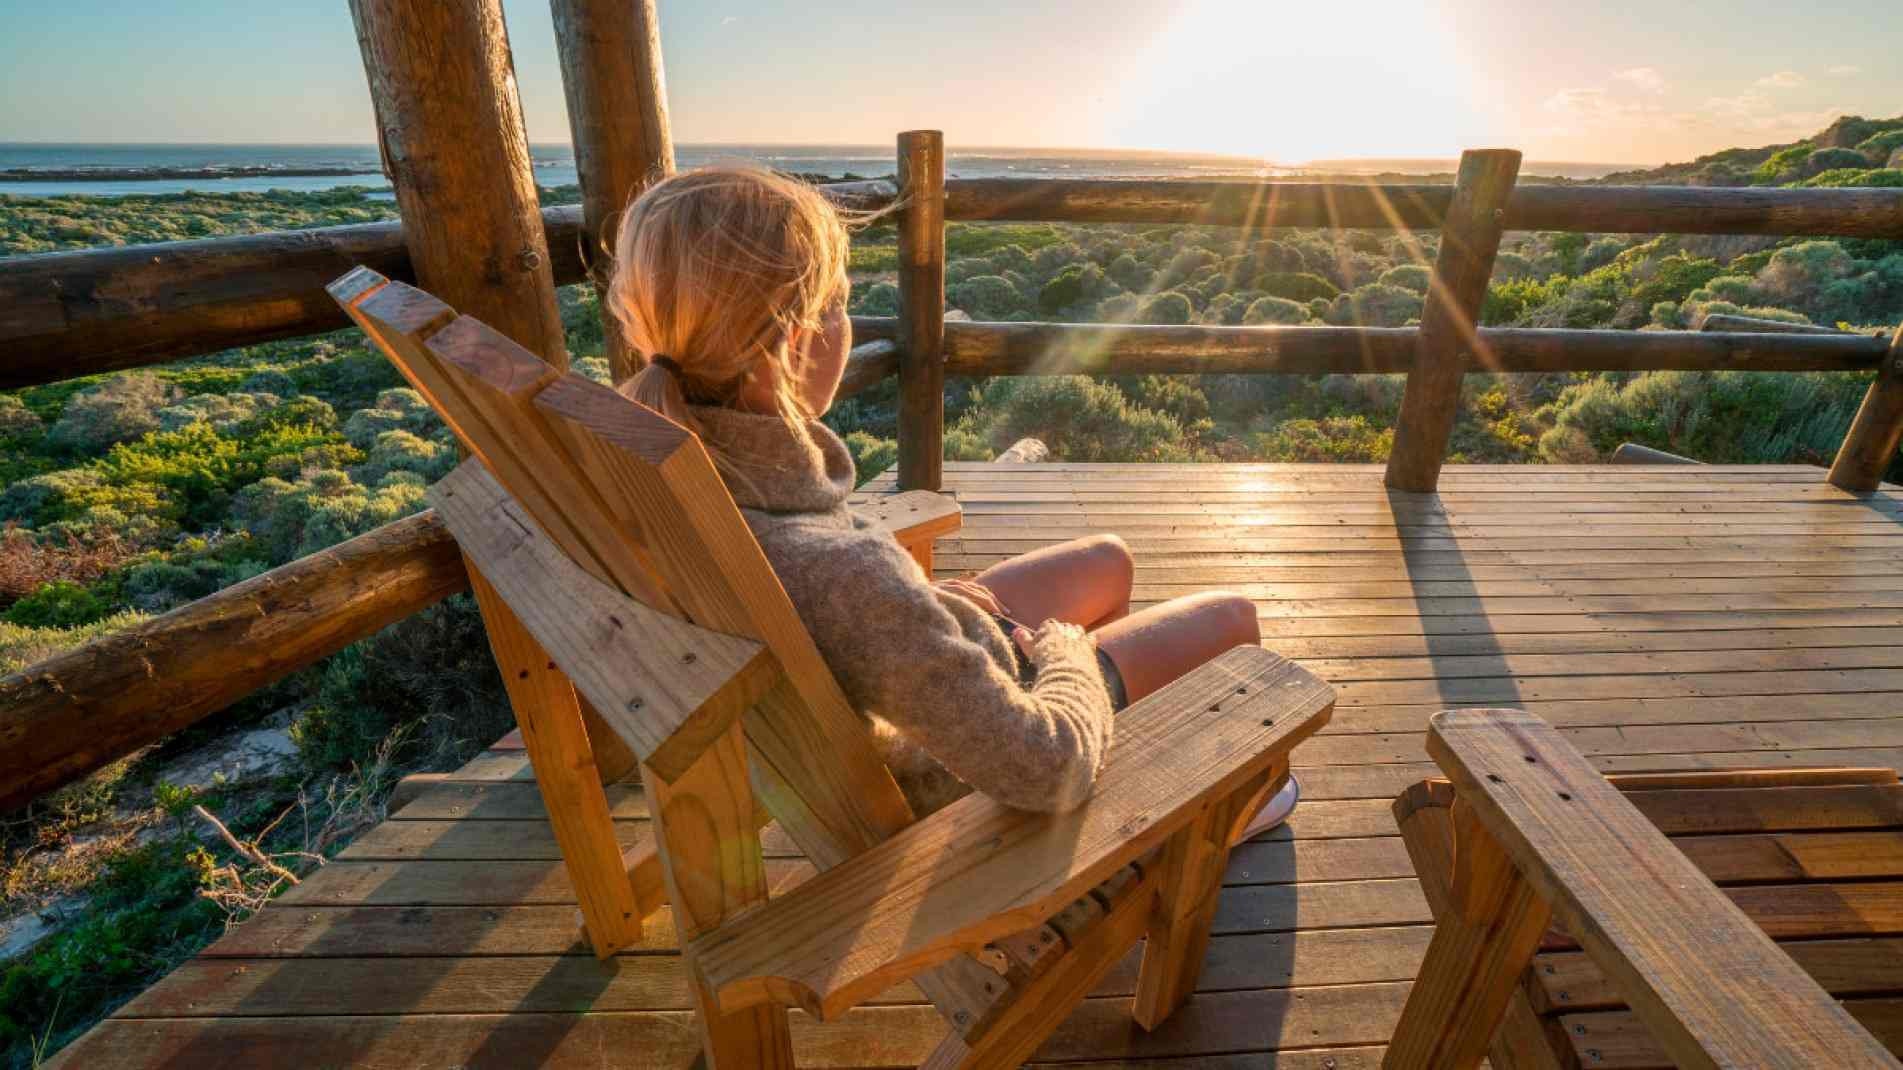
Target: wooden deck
x=1664 y=618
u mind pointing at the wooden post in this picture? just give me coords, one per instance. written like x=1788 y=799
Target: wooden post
x=922 y=310
x=451 y=127
x=450 y=124
x=617 y=115
x=1877 y=430
x=1469 y=240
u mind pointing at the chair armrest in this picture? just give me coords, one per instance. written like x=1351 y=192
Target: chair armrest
x=977 y=870
x=1711 y=986
x=915 y=517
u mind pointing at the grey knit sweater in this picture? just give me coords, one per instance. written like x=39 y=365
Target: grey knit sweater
x=933 y=671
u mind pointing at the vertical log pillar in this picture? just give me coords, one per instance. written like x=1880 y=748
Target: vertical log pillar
x=443 y=84
x=1878 y=429
x=922 y=310
x=617 y=115
x=1470 y=238
x=450 y=124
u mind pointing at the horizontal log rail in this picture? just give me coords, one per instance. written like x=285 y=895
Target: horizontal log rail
x=63 y=315
x=97 y=310
x=81 y=709
x=980 y=349
x=1848 y=213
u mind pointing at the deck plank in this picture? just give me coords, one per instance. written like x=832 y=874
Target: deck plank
x=1662 y=619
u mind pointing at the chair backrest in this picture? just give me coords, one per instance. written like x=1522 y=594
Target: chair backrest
x=633 y=501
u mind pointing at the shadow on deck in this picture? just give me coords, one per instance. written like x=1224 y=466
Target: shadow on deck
x=1663 y=618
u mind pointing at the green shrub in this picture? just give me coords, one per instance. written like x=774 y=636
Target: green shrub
x=1335 y=439
x=1724 y=417
x=1786 y=162
x=1880 y=147
x=17 y=421
x=401 y=451
x=1130 y=273
x=1376 y=305
x=1010 y=258
x=1079 y=418
x=1511 y=267
x=1294 y=285
x=971 y=267
x=1416 y=277
x=982 y=239
x=433 y=670
x=398 y=409
x=878 y=299
x=1275 y=310
x=1824 y=160
x=60 y=604
x=222 y=411
x=870 y=456
x=118 y=410
x=1167 y=308
x=1065 y=289
x=320 y=509
x=1888 y=177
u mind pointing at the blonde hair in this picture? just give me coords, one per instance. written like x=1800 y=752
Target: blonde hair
x=715 y=270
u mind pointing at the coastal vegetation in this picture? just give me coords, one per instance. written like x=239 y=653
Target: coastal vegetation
x=129 y=494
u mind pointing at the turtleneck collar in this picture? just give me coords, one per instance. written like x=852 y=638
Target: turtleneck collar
x=770 y=468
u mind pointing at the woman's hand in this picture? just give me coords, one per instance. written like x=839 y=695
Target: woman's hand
x=1026 y=639
x=977 y=594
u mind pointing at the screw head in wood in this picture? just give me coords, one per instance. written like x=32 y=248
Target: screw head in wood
x=635 y=704
x=530 y=259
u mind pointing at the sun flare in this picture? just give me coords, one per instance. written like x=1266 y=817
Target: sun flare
x=1295 y=80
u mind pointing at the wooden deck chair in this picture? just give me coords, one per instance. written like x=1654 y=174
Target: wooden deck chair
x=1647 y=962
x=610 y=561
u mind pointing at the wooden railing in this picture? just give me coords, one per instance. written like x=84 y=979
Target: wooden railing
x=64 y=315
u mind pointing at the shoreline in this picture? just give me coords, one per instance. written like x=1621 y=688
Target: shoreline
x=158 y=174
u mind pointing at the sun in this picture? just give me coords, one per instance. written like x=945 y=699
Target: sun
x=1297 y=81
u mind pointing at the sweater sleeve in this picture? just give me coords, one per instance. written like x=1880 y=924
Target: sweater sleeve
x=898 y=650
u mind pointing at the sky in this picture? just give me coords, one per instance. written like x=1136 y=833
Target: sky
x=1283 y=81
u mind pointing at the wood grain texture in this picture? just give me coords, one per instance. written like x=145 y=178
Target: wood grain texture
x=1188 y=877
x=916 y=520
x=1041 y=1004
x=449 y=123
x=616 y=90
x=71 y=713
x=1719 y=993
x=1491 y=922
x=1264 y=205
x=977 y=870
x=983 y=349
x=668 y=688
x=710 y=854
x=550 y=718
x=921 y=322
x=1871 y=444
x=1470 y=238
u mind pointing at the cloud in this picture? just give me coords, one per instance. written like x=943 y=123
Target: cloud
x=1782 y=80
x=730 y=20
x=1598 y=109
x=1845 y=70
x=1645 y=79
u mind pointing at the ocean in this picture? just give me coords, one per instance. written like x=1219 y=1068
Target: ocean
x=45 y=168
